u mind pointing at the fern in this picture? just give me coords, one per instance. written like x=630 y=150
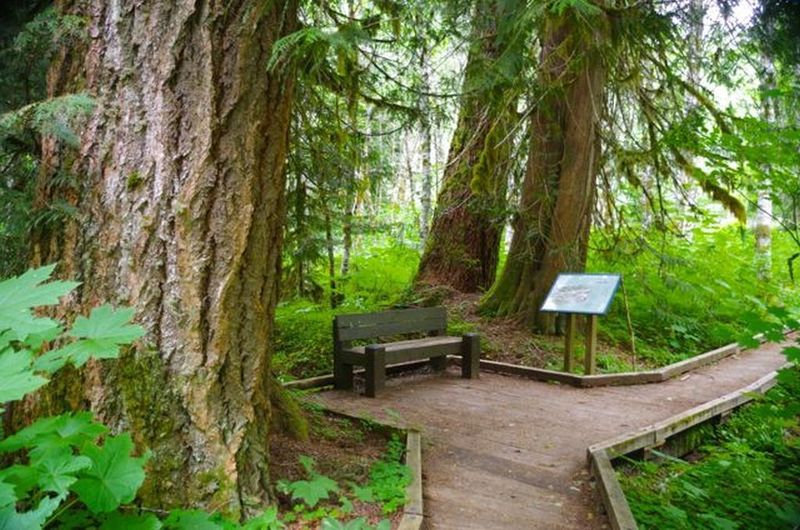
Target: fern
x=56 y=118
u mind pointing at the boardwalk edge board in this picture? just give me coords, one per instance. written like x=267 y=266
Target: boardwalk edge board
x=600 y=455
x=621 y=379
x=413 y=509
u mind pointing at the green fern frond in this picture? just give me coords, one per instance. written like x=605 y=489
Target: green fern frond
x=53 y=117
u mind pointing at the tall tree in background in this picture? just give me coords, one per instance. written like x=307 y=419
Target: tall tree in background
x=427 y=134
x=551 y=228
x=180 y=212
x=764 y=207
x=776 y=31
x=463 y=245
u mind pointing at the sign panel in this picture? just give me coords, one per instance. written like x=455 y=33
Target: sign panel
x=587 y=294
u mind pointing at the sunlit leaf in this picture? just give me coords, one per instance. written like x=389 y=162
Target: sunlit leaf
x=18 y=378
x=114 y=477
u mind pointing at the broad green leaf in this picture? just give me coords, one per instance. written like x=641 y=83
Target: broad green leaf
x=100 y=337
x=107 y=325
x=77 y=353
x=778 y=312
x=747 y=341
x=34 y=341
x=7 y=495
x=312 y=491
x=72 y=428
x=57 y=469
x=5 y=339
x=22 y=477
x=10 y=519
x=115 y=476
x=52 y=361
x=190 y=520
x=18 y=378
x=20 y=294
x=118 y=521
x=792 y=353
x=363 y=493
x=79 y=427
x=269 y=520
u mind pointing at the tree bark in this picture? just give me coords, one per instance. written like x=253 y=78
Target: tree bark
x=463 y=242
x=427 y=170
x=764 y=214
x=551 y=228
x=347 y=226
x=181 y=212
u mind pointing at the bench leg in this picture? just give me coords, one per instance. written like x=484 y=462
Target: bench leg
x=470 y=356
x=342 y=375
x=439 y=363
x=375 y=369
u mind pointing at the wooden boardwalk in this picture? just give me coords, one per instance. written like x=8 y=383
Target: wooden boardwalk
x=508 y=453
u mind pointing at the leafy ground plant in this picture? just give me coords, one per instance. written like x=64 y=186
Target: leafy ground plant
x=68 y=472
x=320 y=499
x=70 y=458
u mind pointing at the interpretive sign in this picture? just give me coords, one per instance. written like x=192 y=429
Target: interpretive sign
x=581 y=294
x=585 y=294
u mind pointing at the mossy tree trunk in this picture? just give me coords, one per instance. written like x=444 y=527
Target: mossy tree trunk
x=463 y=242
x=180 y=211
x=551 y=228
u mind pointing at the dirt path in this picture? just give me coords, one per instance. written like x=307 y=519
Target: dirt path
x=508 y=453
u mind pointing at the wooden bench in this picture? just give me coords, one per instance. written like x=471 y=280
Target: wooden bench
x=374 y=357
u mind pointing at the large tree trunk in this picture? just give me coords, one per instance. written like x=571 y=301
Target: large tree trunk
x=551 y=229
x=181 y=210
x=463 y=243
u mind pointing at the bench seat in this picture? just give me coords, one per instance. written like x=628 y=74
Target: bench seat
x=375 y=357
x=409 y=350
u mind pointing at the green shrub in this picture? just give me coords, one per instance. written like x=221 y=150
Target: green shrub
x=378 y=278
x=69 y=458
x=687 y=296
x=746 y=476
x=67 y=471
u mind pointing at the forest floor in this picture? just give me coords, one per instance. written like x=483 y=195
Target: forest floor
x=506 y=340
x=502 y=452
x=342 y=449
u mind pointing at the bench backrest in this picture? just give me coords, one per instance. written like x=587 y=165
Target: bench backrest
x=431 y=320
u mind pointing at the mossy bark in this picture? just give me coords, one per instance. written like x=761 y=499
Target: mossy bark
x=551 y=227
x=185 y=102
x=463 y=243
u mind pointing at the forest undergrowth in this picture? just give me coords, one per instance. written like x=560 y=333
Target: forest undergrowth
x=744 y=475
x=684 y=296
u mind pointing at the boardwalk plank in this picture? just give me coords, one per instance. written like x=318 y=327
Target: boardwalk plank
x=503 y=452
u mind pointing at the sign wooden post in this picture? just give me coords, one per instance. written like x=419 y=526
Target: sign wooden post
x=590 y=355
x=581 y=294
x=569 y=341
